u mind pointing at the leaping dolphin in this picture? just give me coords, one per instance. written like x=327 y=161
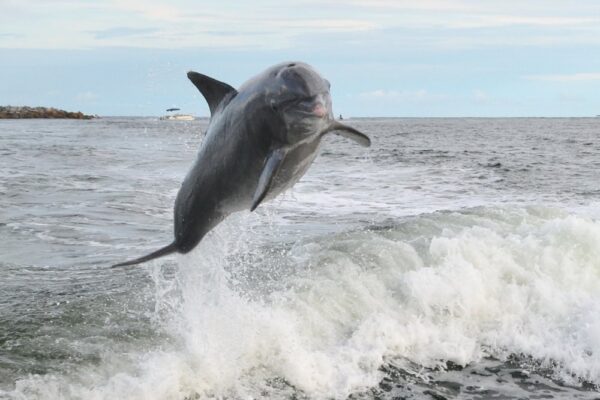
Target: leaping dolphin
x=260 y=140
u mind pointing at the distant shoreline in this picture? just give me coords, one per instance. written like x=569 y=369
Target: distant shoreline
x=11 y=112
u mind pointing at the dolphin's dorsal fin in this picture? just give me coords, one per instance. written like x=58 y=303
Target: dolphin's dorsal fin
x=214 y=91
x=272 y=164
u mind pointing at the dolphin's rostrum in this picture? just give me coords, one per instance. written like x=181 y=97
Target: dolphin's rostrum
x=260 y=140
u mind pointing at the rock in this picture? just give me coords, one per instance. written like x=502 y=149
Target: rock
x=10 y=112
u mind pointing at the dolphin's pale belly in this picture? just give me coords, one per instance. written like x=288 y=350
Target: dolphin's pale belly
x=296 y=163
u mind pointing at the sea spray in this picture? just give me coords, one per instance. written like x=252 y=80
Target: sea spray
x=449 y=286
x=435 y=288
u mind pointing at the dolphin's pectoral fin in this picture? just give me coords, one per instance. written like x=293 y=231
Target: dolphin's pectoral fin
x=214 y=91
x=349 y=132
x=270 y=169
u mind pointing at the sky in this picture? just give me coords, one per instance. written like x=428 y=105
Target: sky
x=384 y=58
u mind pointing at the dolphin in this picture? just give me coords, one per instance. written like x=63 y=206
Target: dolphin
x=259 y=142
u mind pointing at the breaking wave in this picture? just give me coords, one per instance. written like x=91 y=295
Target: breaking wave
x=320 y=316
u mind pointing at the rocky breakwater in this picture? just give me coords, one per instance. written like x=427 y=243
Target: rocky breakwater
x=10 y=112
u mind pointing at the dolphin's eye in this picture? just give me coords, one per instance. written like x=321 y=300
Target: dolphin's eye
x=306 y=102
x=273 y=106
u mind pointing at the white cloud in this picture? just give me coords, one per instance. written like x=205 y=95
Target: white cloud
x=149 y=9
x=420 y=95
x=270 y=24
x=570 y=98
x=421 y=5
x=480 y=96
x=576 y=77
x=498 y=21
x=337 y=25
x=86 y=96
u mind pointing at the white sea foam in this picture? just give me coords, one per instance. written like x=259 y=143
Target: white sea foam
x=444 y=286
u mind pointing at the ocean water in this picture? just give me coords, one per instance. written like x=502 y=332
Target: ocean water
x=455 y=258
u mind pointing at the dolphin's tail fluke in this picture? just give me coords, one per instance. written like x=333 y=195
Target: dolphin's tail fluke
x=172 y=248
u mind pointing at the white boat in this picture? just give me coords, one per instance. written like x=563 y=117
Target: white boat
x=176 y=117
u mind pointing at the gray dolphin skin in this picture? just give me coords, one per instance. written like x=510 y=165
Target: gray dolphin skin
x=260 y=140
